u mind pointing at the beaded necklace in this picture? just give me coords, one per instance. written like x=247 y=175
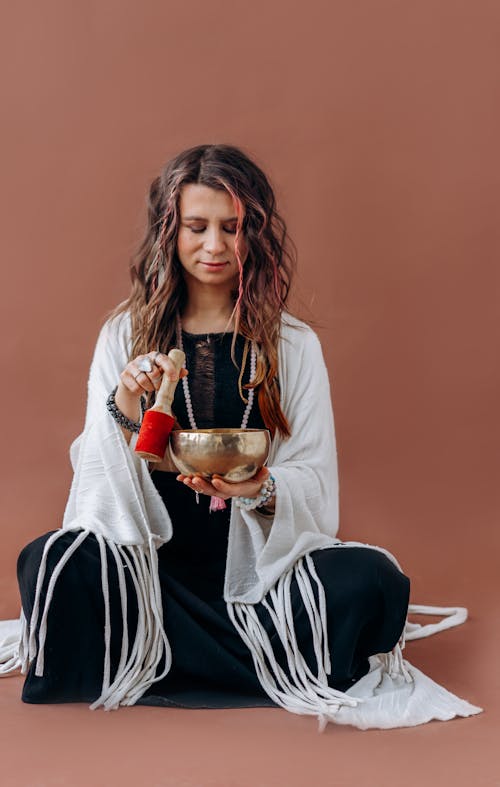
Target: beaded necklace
x=216 y=503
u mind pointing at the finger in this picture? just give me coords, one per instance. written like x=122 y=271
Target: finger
x=204 y=486
x=154 y=355
x=261 y=475
x=168 y=367
x=133 y=385
x=250 y=488
x=142 y=379
x=156 y=377
x=156 y=370
x=156 y=373
x=245 y=489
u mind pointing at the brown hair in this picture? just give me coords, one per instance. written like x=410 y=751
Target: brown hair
x=158 y=288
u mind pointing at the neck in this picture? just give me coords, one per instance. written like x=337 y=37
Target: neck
x=208 y=310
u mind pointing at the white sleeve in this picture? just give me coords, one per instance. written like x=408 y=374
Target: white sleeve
x=112 y=492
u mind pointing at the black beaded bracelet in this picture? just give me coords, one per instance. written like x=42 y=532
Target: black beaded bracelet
x=120 y=418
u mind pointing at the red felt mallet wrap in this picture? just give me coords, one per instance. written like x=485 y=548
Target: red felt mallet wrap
x=157 y=423
x=153 y=438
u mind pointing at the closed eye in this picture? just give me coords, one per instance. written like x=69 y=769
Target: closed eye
x=230 y=231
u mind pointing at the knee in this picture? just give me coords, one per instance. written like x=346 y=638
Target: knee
x=350 y=568
x=30 y=557
x=357 y=572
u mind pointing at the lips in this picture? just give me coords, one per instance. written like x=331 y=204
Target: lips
x=213 y=264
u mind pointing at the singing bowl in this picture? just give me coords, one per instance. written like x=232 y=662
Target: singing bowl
x=234 y=454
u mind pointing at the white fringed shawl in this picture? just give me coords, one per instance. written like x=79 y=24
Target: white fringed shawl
x=112 y=495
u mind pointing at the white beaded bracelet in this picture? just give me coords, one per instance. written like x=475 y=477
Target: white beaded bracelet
x=266 y=491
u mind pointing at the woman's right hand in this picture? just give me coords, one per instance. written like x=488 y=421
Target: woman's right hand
x=135 y=382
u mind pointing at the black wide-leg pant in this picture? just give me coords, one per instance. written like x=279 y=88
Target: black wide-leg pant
x=367 y=600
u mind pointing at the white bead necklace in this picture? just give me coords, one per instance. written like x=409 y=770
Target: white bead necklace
x=187 y=395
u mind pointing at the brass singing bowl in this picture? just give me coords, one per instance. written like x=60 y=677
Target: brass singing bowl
x=233 y=454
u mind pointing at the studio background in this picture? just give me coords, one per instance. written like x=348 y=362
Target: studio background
x=378 y=125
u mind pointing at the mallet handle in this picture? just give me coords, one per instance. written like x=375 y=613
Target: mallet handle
x=166 y=391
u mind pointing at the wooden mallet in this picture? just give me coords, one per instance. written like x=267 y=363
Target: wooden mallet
x=158 y=421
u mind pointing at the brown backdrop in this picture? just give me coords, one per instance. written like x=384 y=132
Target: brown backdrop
x=378 y=123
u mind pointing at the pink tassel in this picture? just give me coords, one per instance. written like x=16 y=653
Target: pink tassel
x=217 y=504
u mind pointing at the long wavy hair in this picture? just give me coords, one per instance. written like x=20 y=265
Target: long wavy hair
x=159 y=291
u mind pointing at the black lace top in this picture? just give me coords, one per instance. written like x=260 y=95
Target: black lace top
x=213 y=383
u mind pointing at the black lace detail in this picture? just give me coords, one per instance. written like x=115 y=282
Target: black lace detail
x=202 y=379
x=213 y=383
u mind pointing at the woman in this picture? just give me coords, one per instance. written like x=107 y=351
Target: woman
x=155 y=591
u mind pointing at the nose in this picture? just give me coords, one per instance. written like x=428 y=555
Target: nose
x=214 y=241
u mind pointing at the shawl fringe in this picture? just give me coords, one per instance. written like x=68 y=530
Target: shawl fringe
x=452 y=616
x=138 y=663
x=303 y=692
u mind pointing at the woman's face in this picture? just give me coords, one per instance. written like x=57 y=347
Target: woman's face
x=206 y=236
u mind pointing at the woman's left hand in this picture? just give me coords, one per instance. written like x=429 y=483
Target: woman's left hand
x=219 y=488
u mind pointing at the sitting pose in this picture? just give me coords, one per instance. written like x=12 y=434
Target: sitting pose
x=169 y=589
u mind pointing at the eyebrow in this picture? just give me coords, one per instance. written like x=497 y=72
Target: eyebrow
x=201 y=218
